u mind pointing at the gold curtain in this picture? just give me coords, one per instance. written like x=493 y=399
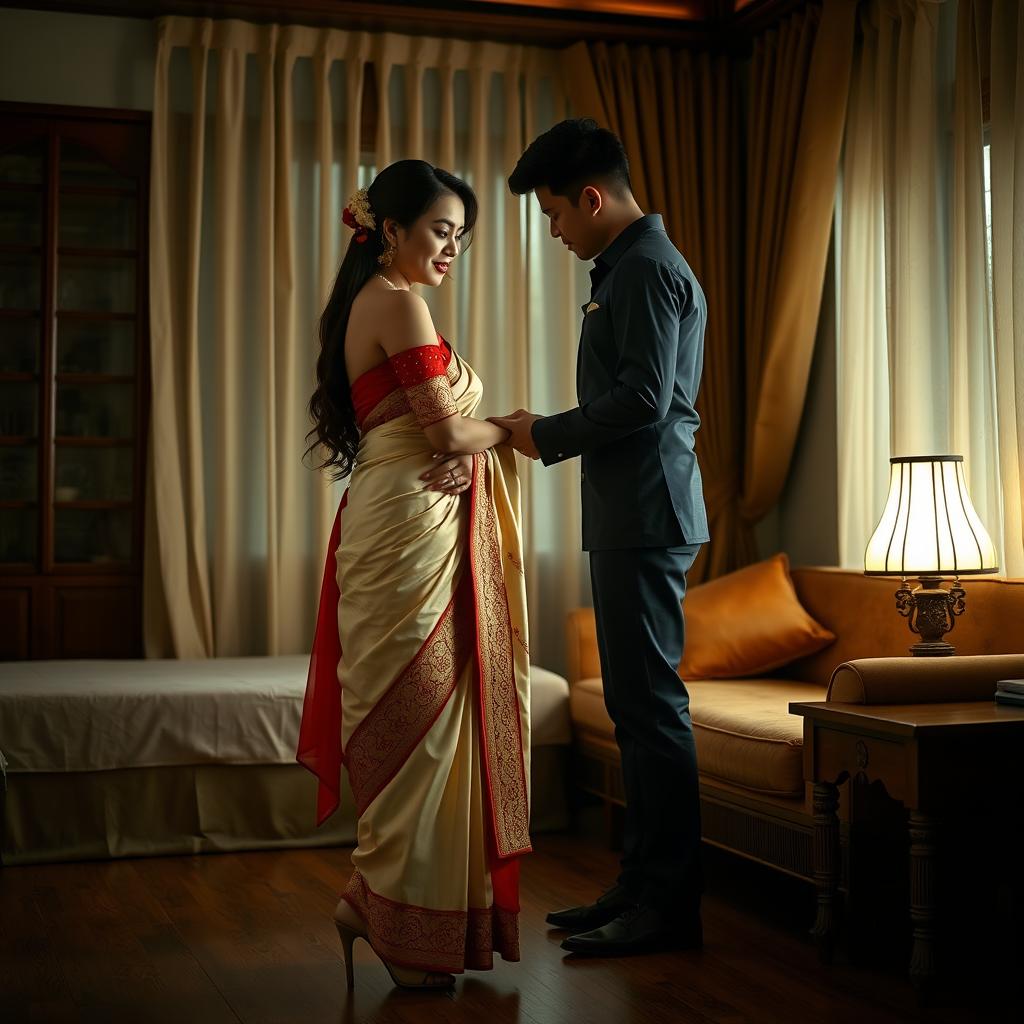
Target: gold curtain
x=677 y=115
x=258 y=140
x=800 y=79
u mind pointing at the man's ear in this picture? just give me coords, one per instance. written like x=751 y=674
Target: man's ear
x=593 y=199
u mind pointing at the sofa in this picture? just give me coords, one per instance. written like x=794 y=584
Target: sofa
x=754 y=801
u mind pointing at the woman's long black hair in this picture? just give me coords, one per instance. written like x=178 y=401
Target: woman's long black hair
x=403 y=191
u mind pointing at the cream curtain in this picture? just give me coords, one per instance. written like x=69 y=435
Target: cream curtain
x=677 y=113
x=1005 y=44
x=924 y=366
x=258 y=140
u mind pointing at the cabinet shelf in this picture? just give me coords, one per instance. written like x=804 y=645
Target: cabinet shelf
x=92 y=378
x=97 y=190
x=102 y=254
x=91 y=314
x=92 y=504
x=94 y=442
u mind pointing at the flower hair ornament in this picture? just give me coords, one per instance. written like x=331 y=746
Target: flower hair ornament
x=358 y=215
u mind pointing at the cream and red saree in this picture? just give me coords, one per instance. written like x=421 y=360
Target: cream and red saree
x=422 y=621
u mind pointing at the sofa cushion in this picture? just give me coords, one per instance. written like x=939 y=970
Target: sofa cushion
x=747 y=623
x=744 y=732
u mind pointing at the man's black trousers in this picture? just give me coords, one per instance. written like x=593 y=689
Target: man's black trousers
x=638 y=594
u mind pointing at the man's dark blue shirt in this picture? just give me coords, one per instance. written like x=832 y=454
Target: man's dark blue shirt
x=637 y=374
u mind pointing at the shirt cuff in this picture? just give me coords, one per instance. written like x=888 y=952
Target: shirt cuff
x=552 y=440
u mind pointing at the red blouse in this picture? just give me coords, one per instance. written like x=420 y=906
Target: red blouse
x=416 y=380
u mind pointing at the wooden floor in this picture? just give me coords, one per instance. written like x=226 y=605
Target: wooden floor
x=248 y=938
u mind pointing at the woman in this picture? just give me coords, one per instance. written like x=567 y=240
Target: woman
x=422 y=615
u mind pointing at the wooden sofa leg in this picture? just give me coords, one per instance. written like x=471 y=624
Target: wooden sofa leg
x=826 y=865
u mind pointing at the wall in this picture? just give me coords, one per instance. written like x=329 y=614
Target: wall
x=76 y=59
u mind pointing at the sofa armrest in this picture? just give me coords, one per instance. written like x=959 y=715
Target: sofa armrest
x=922 y=680
x=584 y=661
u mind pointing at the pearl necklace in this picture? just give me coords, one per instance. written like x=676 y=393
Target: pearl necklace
x=392 y=286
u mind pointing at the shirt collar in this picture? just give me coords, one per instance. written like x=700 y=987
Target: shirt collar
x=622 y=241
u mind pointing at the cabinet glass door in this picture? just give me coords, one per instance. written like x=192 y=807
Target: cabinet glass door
x=21 y=261
x=95 y=381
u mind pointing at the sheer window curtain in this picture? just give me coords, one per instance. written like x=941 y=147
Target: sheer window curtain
x=924 y=365
x=258 y=141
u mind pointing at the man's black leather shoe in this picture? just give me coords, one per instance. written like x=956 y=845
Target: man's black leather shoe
x=605 y=909
x=639 y=929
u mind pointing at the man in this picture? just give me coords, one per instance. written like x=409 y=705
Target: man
x=638 y=370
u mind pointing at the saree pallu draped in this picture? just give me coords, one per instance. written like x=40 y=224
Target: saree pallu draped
x=422 y=621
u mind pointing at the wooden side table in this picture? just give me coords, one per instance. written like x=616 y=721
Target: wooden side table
x=924 y=755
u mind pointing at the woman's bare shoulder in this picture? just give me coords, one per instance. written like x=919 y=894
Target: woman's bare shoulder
x=404 y=322
x=383 y=323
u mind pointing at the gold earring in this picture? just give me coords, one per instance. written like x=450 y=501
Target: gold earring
x=385 y=258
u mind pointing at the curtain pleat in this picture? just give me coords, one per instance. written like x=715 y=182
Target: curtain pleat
x=256 y=148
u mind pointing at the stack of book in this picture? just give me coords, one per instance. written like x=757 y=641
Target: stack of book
x=1010 y=691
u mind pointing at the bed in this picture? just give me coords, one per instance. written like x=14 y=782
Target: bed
x=108 y=759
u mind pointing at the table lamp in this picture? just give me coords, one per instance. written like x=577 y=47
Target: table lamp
x=929 y=529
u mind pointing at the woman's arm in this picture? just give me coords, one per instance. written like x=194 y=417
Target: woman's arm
x=464 y=435
x=411 y=326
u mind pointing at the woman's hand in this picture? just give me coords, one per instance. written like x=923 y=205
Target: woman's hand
x=451 y=474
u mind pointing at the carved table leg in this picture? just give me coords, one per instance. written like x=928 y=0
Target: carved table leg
x=923 y=829
x=826 y=865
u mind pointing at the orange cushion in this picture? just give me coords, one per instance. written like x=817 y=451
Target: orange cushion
x=747 y=623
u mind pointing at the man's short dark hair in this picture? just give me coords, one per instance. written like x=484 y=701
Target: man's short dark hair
x=569 y=156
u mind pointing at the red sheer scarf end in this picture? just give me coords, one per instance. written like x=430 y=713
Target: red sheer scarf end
x=319 y=746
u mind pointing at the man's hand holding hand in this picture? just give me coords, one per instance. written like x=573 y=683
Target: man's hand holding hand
x=519 y=425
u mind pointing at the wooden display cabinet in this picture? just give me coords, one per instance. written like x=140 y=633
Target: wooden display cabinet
x=73 y=380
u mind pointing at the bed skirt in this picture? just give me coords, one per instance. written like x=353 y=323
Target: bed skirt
x=186 y=809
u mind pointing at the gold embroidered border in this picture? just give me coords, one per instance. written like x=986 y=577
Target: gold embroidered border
x=396 y=403
x=431 y=400
x=387 y=736
x=499 y=700
x=434 y=940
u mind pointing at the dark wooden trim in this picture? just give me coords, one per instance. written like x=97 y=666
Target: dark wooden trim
x=507 y=22
x=756 y=17
x=53 y=110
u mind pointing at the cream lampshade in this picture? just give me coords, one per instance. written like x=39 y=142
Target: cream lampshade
x=929 y=529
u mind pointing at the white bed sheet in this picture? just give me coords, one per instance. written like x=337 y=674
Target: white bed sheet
x=70 y=716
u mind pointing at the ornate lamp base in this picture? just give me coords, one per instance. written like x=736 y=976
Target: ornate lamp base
x=931 y=613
